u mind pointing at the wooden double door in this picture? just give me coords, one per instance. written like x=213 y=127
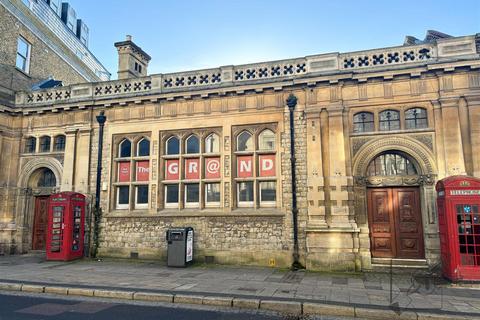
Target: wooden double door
x=395 y=221
x=40 y=220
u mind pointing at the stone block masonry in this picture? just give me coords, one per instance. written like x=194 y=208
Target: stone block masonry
x=229 y=239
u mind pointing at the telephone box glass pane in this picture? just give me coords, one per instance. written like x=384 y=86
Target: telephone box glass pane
x=77 y=218
x=468 y=234
x=57 y=231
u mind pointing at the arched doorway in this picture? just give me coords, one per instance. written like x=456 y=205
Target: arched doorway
x=42 y=182
x=394 y=207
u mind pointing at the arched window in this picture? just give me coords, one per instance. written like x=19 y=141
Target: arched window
x=212 y=143
x=266 y=140
x=59 y=144
x=30 y=145
x=47 y=179
x=416 y=118
x=389 y=120
x=172 y=145
x=363 y=122
x=45 y=144
x=192 y=144
x=244 y=141
x=125 y=149
x=391 y=164
x=143 y=148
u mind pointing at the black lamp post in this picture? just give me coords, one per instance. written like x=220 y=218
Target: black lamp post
x=101 y=119
x=292 y=103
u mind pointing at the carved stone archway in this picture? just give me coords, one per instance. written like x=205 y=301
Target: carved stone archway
x=423 y=157
x=29 y=174
x=38 y=163
x=427 y=173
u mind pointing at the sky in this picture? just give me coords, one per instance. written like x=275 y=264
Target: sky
x=183 y=35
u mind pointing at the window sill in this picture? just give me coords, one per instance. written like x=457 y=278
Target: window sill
x=54 y=153
x=374 y=133
x=25 y=73
x=209 y=212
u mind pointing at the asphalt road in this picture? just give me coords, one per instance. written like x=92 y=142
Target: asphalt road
x=23 y=306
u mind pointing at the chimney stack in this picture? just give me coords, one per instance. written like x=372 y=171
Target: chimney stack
x=132 y=60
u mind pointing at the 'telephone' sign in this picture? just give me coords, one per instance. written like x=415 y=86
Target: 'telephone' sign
x=465 y=192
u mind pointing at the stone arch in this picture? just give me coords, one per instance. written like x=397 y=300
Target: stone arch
x=423 y=157
x=33 y=165
x=24 y=214
x=427 y=172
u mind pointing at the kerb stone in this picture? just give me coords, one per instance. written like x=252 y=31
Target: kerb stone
x=187 y=299
x=10 y=286
x=157 y=297
x=246 y=303
x=80 y=292
x=328 y=310
x=128 y=295
x=288 y=307
x=218 y=301
x=32 y=288
x=56 y=290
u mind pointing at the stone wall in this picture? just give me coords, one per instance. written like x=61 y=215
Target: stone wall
x=232 y=238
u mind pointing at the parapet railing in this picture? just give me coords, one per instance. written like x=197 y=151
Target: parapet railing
x=225 y=76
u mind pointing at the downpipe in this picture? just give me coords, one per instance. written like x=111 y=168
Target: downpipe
x=292 y=103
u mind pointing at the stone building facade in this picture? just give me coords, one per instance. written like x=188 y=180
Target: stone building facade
x=374 y=130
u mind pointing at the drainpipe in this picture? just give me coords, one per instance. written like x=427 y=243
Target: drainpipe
x=101 y=119
x=291 y=103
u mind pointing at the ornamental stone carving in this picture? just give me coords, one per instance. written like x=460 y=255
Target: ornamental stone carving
x=385 y=181
x=418 y=151
x=357 y=143
x=426 y=139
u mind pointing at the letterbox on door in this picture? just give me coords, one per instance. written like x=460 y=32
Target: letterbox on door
x=458 y=204
x=66 y=225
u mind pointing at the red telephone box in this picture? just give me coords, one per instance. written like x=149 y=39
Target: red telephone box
x=66 y=226
x=458 y=203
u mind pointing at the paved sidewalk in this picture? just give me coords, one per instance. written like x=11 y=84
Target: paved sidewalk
x=400 y=292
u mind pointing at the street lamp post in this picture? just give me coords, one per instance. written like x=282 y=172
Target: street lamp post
x=291 y=103
x=101 y=119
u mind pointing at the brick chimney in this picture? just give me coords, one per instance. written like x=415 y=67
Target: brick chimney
x=132 y=60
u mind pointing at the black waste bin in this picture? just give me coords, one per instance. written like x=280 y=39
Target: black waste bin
x=179 y=246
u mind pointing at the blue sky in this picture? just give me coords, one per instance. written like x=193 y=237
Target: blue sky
x=186 y=35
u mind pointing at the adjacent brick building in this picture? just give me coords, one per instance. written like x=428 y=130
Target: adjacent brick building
x=374 y=130
x=37 y=45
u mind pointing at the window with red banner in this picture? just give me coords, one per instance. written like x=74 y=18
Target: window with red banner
x=132 y=178
x=255 y=154
x=191 y=169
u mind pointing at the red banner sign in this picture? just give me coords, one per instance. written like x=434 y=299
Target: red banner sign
x=172 y=169
x=267 y=165
x=192 y=168
x=212 y=168
x=244 y=166
x=124 y=171
x=143 y=170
